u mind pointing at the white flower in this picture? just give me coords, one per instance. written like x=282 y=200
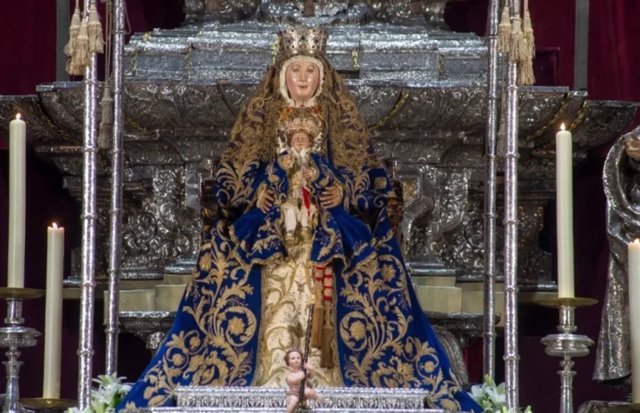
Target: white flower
x=107 y=396
x=492 y=398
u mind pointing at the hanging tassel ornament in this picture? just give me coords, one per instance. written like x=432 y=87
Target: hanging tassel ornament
x=318 y=308
x=70 y=47
x=525 y=71
x=80 y=57
x=94 y=30
x=74 y=28
x=517 y=40
x=326 y=353
x=106 y=118
x=527 y=29
x=504 y=30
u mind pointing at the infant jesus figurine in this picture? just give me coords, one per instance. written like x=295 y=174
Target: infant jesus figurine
x=298 y=208
x=293 y=360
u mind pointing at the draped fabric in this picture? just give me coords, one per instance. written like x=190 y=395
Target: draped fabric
x=382 y=336
x=247 y=301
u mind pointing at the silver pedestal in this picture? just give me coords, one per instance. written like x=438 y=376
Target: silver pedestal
x=567 y=344
x=14 y=336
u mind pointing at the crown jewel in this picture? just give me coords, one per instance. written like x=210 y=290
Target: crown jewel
x=302 y=41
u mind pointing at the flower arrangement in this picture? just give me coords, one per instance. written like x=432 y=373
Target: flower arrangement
x=492 y=398
x=110 y=392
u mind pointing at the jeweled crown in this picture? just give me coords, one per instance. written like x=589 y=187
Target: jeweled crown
x=302 y=41
x=306 y=120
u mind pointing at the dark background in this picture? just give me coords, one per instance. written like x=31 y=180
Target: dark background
x=27 y=58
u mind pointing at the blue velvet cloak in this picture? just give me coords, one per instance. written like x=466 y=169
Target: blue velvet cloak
x=383 y=337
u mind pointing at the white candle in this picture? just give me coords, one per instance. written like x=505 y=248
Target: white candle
x=17 y=185
x=53 y=313
x=633 y=260
x=564 y=212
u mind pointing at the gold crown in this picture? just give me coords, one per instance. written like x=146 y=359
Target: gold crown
x=302 y=41
x=301 y=120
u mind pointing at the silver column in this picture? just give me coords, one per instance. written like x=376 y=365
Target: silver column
x=489 y=338
x=111 y=362
x=85 y=347
x=511 y=357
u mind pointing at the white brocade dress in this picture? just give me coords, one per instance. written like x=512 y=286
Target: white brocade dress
x=286 y=298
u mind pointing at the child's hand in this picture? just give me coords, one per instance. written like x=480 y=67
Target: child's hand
x=310 y=174
x=287 y=161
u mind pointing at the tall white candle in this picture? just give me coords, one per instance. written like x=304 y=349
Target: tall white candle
x=17 y=185
x=633 y=261
x=564 y=212
x=53 y=313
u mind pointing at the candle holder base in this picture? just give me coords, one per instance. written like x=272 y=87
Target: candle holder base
x=20 y=293
x=575 y=302
x=567 y=344
x=48 y=405
x=14 y=336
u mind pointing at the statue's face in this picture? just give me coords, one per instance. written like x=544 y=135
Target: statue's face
x=300 y=140
x=303 y=78
x=295 y=360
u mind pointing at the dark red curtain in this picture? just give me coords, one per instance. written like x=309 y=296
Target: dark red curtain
x=27 y=58
x=614 y=54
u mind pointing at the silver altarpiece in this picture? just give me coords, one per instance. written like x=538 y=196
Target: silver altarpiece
x=421 y=88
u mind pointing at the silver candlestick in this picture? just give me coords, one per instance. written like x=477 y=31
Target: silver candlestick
x=14 y=336
x=567 y=344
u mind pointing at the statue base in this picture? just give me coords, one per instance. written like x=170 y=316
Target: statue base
x=273 y=399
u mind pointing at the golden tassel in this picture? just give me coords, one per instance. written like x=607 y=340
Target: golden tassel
x=525 y=71
x=326 y=355
x=318 y=309
x=94 y=29
x=74 y=28
x=106 y=118
x=517 y=41
x=527 y=29
x=80 y=58
x=504 y=30
x=526 y=77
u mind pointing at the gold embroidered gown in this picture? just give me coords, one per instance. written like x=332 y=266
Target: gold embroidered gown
x=247 y=302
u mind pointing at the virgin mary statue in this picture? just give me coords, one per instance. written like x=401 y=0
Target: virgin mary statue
x=249 y=299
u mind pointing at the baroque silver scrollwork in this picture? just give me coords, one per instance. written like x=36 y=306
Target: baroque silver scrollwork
x=159 y=229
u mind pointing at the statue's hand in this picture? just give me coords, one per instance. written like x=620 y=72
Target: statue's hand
x=632 y=147
x=265 y=200
x=310 y=174
x=287 y=162
x=331 y=196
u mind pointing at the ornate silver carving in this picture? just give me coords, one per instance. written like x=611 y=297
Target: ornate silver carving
x=219 y=10
x=334 y=399
x=150 y=326
x=159 y=230
x=437 y=208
